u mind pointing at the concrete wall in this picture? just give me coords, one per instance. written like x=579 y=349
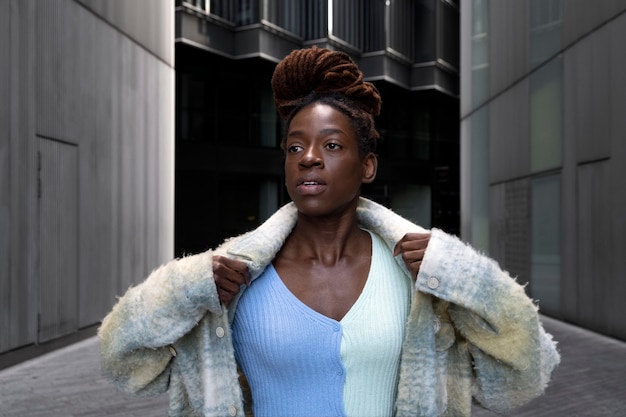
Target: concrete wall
x=86 y=159
x=555 y=134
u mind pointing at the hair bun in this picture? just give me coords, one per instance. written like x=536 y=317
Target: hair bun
x=322 y=71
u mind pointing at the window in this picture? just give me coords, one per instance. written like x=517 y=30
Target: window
x=546 y=114
x=546 y=241
x=545 y=29
x=480 y=51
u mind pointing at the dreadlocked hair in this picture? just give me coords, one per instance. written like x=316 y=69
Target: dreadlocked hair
x=307 y=76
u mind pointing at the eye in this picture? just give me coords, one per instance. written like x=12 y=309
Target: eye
x=333 y=146
x=294 y=148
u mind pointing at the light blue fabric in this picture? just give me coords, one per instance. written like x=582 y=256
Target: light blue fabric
x=288 y=352
x=299 y=362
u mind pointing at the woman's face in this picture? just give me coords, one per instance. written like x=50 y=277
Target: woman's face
x=323 y=168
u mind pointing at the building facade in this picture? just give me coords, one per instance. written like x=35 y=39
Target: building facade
x=229 y=168
x=86 y=162
x=543 y=150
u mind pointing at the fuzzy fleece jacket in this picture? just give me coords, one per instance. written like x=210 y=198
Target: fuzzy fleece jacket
x=472 y=332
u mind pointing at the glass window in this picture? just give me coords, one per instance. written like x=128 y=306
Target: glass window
x=480 y=51
x=545 y=29
x=400 y=26
x=346 y=21
x=412 y=202
x=449 y=34
x=374 y=26
x=314 y=25
x=425 y=31
x=283 y=13
x=479 y=188
x=546 y=241
x=248 y=12
x=546 y=114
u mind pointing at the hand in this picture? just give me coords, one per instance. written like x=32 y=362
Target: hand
x=229 y=275
x=412 y=247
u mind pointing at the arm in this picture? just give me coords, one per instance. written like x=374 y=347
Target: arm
x=512 y=355
x=135 y=337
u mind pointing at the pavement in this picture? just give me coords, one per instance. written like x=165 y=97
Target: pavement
x=591 y=381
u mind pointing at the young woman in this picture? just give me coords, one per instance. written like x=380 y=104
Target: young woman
x=336 y=305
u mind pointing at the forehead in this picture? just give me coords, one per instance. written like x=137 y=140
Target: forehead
x=320 y=116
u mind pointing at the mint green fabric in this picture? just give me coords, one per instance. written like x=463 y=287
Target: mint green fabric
x=373 y=331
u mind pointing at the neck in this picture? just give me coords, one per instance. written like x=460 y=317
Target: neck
x=327 y=240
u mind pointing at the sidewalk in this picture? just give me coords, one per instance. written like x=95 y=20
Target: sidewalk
x=591 y=382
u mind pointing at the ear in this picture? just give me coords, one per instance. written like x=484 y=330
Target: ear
x=370 y=166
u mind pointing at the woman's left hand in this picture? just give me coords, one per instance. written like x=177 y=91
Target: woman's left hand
x=412 y=247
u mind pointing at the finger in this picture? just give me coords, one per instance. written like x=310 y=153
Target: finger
x=224 y=296
x=224 y=271
x=411 y=241
x=226 y=285
x=234 y=265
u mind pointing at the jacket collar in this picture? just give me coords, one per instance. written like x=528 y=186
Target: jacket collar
x=260 y=246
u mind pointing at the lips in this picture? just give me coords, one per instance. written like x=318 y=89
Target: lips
x=310 y=185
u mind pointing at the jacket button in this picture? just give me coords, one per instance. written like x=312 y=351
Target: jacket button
x=172 y=350
x=432 y=283
x=220 y=332
x=232 y=410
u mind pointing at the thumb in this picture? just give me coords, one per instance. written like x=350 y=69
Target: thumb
x=396 y=249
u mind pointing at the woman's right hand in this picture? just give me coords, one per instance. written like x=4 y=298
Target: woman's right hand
x=230 y=275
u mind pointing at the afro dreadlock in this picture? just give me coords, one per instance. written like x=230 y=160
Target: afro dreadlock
x=315 y=74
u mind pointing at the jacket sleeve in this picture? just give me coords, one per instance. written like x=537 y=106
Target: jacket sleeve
x=513 y=357
x=136 y=336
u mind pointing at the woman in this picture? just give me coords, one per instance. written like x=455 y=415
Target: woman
x=345 y=308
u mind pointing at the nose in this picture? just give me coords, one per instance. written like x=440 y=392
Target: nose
x=311 y=158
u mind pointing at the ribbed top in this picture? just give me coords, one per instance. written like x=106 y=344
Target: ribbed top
x=296 y=359
x=372 y=336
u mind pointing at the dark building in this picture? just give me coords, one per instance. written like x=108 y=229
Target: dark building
x=228 y=161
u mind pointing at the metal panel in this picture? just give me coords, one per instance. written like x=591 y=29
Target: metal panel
x=96 y=287
x=5 y=175
x=588 y=88
x=594 y=245
x=508 y=53
x=58 y=239
x=165 y=220
x=57 y=70
x=23 y=178
x=581 y=18
x=148 y=24
x=509 y=130
x=509 y=237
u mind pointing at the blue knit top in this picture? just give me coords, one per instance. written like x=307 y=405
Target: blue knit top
x=299 y=362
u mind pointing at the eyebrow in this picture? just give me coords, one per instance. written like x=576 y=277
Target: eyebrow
x=324 y=132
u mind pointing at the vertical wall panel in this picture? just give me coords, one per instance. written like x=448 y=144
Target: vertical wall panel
x=150 y=22
x=58 y=239
x=91 y=96
x=587 y=90
x=594 y=251
x=508 y=52
x=617 y=103
x=580 y=17
x=57 y=75
x=5 y=175
x=509 y=227
x=150 y=172
x=23 y=177
x=128 y=247
x=166 y=163
x=509 y=150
